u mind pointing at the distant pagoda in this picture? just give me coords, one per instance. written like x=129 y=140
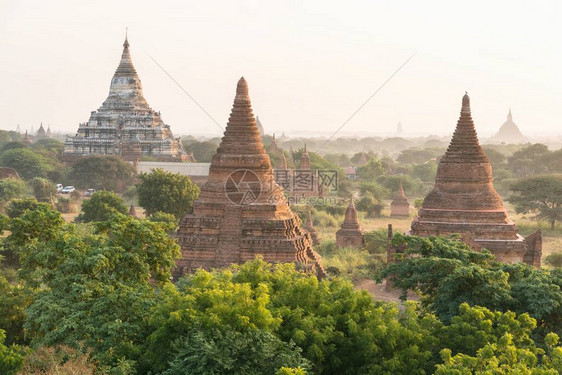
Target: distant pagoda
x=41 y=133
x=400 y=205
x=509 y=132
x=26 y=140
x=125 y=125
x=241 y=211
x=464 y=200
x=350 y=233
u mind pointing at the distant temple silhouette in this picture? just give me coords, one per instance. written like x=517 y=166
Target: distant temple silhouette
x=509 y=132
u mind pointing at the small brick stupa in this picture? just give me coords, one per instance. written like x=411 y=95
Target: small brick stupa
x=309 y=226
x=400 y=205
x=350 y=233
x=241 y=211
x=464 y=200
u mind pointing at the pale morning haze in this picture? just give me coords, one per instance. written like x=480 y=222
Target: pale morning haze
x=309 y=64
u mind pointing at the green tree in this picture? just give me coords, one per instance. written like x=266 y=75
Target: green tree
x=168 y=221
x=526 y=162
x=166 y=192
x=419 y=156
x=202 y=151
x=371 y=170
x=18 y=206
x=99 y=289
x=539 y=195
x=11 y=357
x=238 y=353
x=11 y=188
x=340 y=330
x=370 y=205
x=102 y=173
x=446 y=272
x=504 y=358
x=554 y=259
x=15 y=297
x=101 y=206
x=43 y=189
x=26 y=162
x=425 y=172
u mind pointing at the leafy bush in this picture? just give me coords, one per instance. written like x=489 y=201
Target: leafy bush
x=18 y=207
x=166 y=192
x=101 y=206
x=11 y=188
x=554 y=259
x=65 y=205
x=376 y=241
x=43 y=189
x=102 y=173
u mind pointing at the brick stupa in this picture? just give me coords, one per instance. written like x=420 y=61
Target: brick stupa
x=350 y=233
x=464 y=200
x=400 y=205
x=241 y=211
x=309 y=225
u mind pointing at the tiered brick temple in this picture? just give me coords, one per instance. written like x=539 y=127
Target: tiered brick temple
x=400 y=205
x=241 y=211
x=464 y=201
x=350 y=233
x=125 y=125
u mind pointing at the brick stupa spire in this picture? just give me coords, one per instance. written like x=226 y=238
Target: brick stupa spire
x=400 y=205
x=241 y=211
x=464 y=200
x=305 y=159
x=350 y=233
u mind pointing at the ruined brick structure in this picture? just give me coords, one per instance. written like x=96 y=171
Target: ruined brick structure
x=464 y=200
x=350 y=233
x=125 y=125
x=241 y=211
x=309 y=226
x=400 y=205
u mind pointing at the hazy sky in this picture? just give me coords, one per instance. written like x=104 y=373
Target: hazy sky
x=309 y=64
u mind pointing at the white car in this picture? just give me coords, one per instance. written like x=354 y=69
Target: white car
x=68 y=189
x=59 y=187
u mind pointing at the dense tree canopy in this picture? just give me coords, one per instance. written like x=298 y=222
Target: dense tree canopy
x=448 y=273
x=541 y=196
x=106 y=297
x=43 y=189
x=166 y=192
x=26 y=162
x=102 y=173
x=101 y=206
x=202 y=151
x=11 y=188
